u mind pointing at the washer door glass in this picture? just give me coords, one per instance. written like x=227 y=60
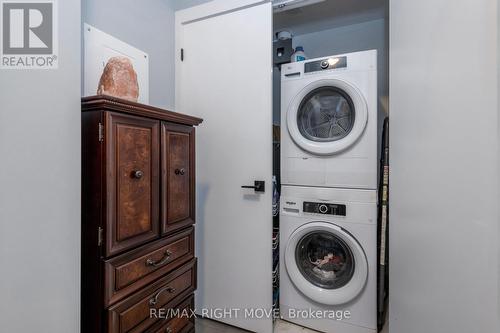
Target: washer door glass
x=325 y=260
x=326 y=114
x=326 y=263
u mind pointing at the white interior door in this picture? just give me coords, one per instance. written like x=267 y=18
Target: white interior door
x=226 y=79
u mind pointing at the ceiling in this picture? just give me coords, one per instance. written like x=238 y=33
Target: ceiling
x=330 y=14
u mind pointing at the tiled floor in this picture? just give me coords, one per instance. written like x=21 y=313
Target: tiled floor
x=281 y=326
x=210 y=326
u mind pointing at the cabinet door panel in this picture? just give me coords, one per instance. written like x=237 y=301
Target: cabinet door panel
x=133 y=181
x=177 y=177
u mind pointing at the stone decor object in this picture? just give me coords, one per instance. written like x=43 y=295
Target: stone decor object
x=119 y=79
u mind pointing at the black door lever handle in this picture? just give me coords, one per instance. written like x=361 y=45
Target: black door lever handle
x=260 y=186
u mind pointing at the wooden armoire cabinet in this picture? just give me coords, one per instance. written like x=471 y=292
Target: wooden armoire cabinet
x=138 y=212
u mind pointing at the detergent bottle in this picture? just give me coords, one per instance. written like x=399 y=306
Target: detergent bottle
x=299 y=54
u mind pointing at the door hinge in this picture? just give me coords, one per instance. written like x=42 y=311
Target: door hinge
x=101 y=132
x=182 y=54
x=99 y=236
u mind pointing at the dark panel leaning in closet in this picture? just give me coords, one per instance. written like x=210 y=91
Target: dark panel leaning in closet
x=138 y=212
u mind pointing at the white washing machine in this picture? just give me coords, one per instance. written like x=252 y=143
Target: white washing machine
x=328 y=259
x=329 y=121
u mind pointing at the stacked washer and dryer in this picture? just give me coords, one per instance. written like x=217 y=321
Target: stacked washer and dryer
x=328 y=228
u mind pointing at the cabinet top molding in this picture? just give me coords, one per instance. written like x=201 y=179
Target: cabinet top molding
x=108 y=103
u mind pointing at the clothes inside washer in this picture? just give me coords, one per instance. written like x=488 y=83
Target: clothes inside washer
x=325 y=260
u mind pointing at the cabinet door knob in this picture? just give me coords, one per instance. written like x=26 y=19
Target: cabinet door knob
x=137 y=174
x=181 y=172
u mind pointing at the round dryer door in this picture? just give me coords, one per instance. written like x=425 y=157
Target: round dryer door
x=327 y=116
x=326 y=263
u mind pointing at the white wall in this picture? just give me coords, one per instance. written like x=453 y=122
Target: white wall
x=444 y=217
x=498 y=152
x=148 y=26
x=40 y=190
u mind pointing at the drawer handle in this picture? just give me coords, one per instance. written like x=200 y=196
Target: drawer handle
x=154 y=300
x=181 y=172
x=137 y=174
x=163 y=261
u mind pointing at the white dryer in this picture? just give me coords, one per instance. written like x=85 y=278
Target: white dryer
x=329 y=121
x=328 y=259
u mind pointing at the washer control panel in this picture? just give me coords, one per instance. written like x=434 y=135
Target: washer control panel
x=325 y=64
x=324 y=208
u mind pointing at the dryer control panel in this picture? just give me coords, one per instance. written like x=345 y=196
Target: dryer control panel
x=324 y=208
x=325 y=64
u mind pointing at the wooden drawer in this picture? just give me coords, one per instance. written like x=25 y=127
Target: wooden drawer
x=132 y=271
x=183 y=323
x=137 y=313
